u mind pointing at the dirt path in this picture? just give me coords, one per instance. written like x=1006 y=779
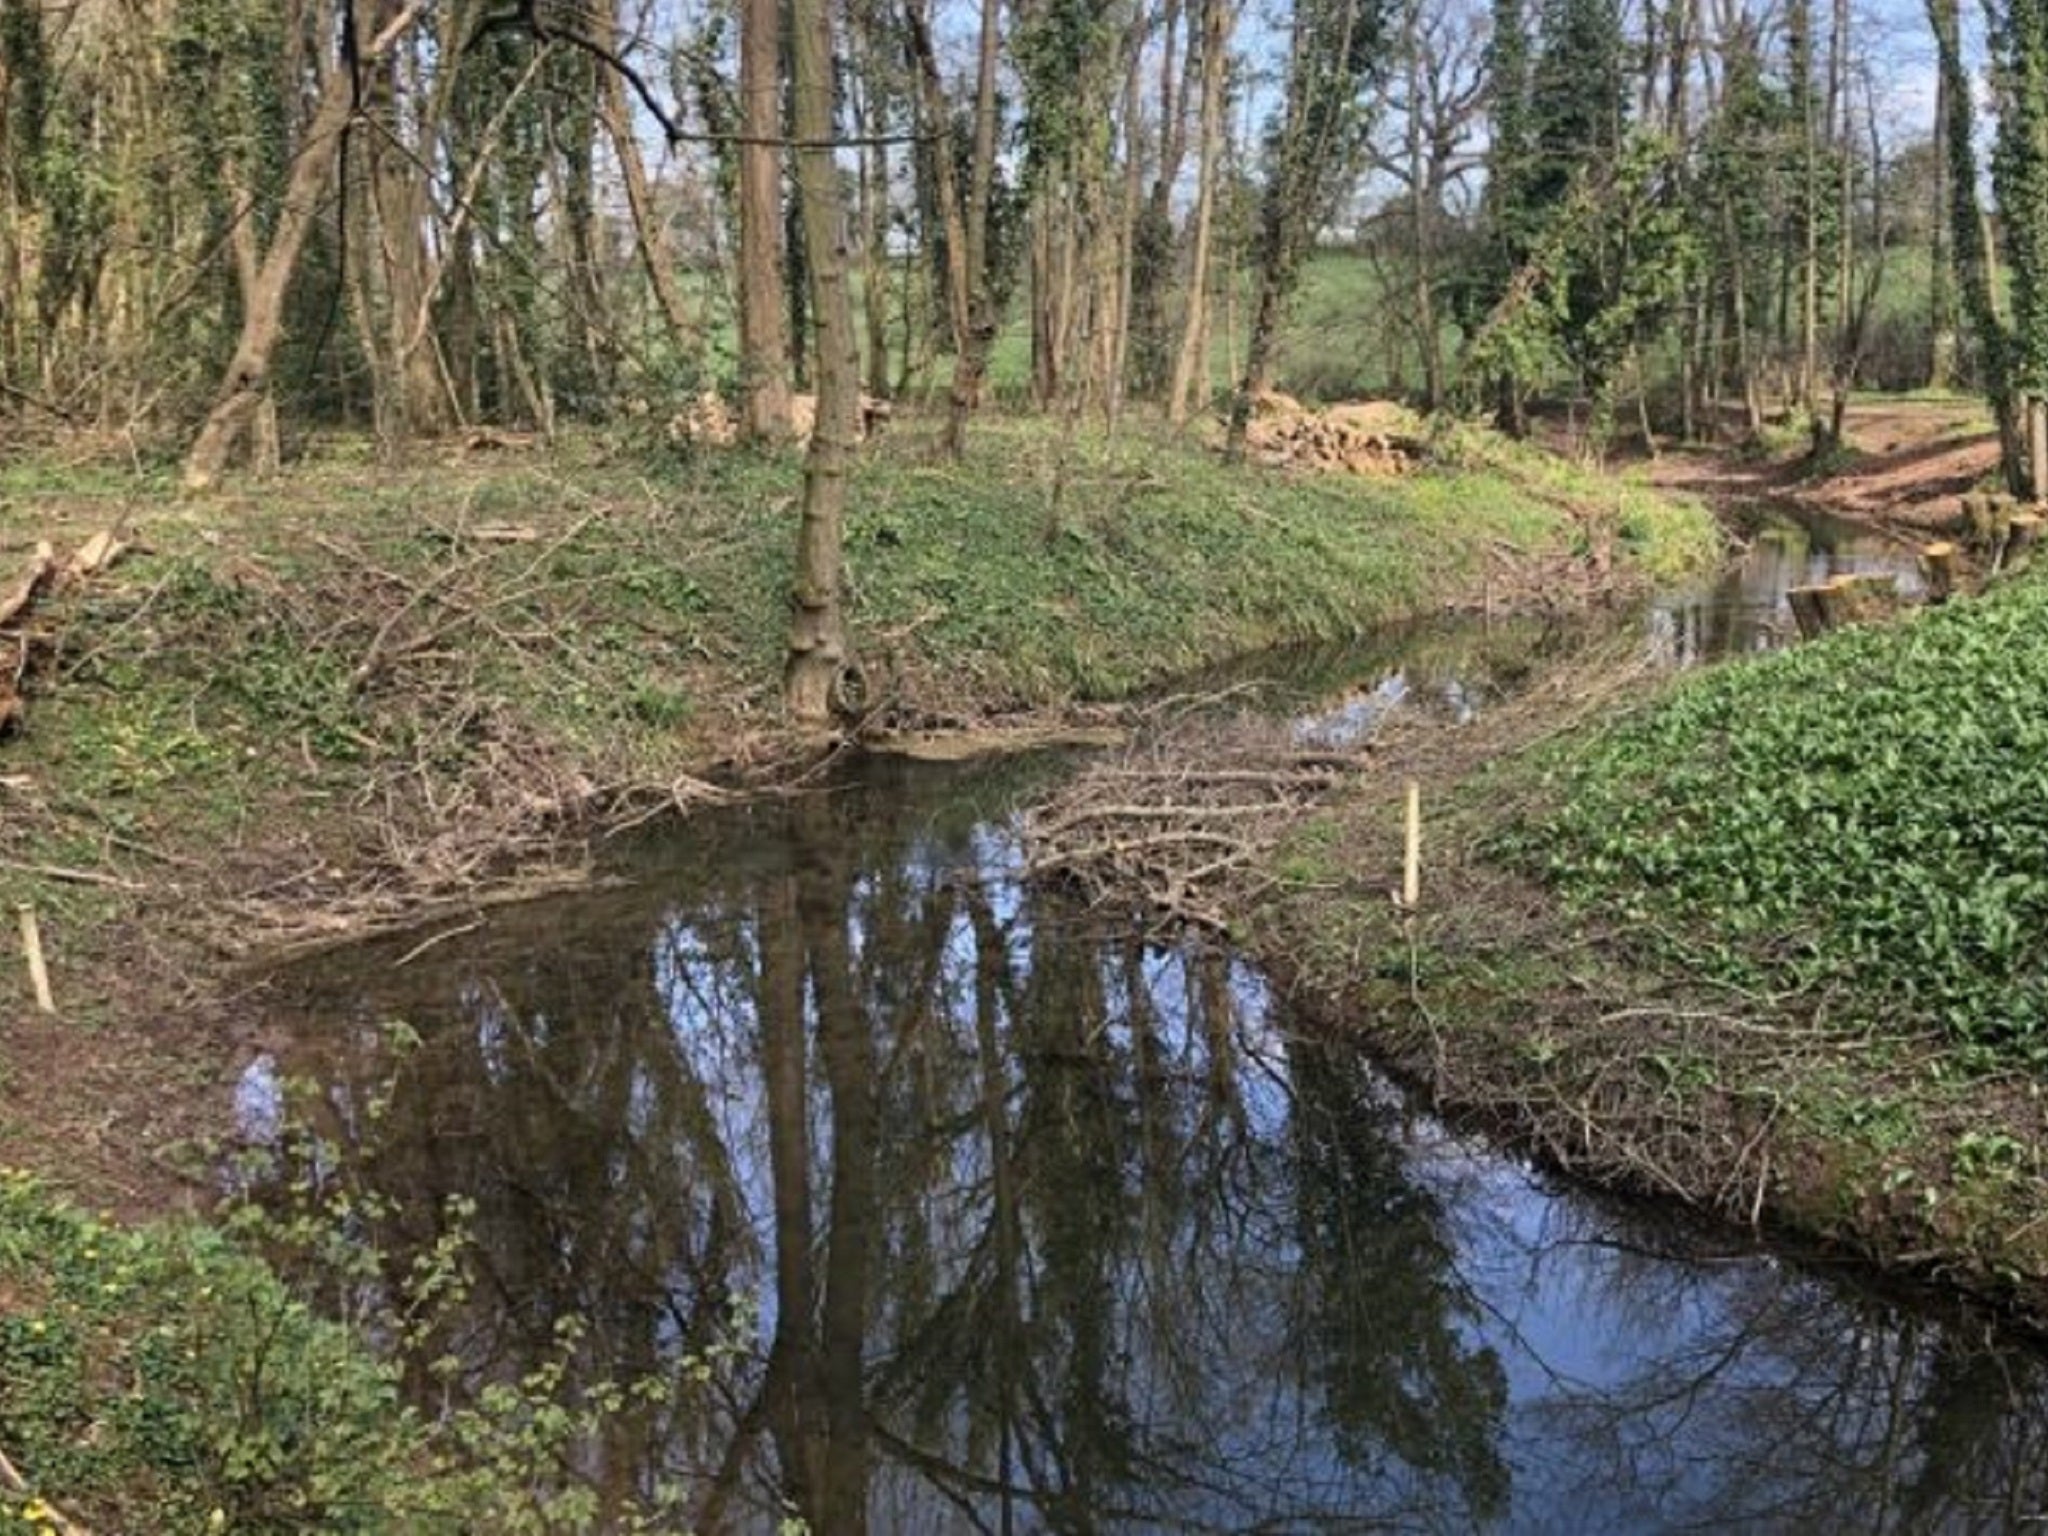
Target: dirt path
x=1907 y=463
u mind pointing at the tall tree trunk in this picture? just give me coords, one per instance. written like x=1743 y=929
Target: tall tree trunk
x=1421 y=219
x=1969 y=233
x=1116 y=289
x=1800 y=44
x=650 y=237
x=247 y=383
x=946 y=184
x=764 y=339
x=874 y=214
x=419 y=403
x=971 y=367
x=1841 y=123
x=1192 y=361
x=1941 y=283
x=818 y=645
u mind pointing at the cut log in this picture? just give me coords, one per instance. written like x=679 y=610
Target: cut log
x=43 y=575
x=14 y=601
x=94 y=555
x=1807 y=611
x=1938 y=566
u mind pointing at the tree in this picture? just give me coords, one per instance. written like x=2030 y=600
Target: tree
x=819 y=653
x=764 y=341
x=247 y=385
x=1969 y=237
x=1219 y=17
x=2019 y=174
x=1333 y=51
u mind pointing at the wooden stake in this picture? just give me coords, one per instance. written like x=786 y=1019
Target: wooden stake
x=32 y=946
x=1411 y=863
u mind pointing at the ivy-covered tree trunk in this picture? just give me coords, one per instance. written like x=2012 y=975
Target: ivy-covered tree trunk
x=818 y=645
x=247 y=385
x=2019 y=173
x=1973 y=261
x=1332 y=50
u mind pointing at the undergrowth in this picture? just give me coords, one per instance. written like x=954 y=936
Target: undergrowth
x=273 y=1371
x=1861 y=822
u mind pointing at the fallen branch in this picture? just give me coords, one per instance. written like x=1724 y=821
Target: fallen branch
x=16 y=599
x=69 y=876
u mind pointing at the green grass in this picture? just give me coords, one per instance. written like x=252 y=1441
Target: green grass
x=1861 y=822
x=645 y=619
x=1335 y=341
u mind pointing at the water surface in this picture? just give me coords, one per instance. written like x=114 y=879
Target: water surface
x=1030 y=1223
x=946 y=1205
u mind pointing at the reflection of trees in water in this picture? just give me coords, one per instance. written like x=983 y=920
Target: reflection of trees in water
x=1047 y=1228
x=1778 y=1408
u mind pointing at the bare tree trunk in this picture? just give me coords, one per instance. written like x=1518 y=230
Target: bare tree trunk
x=265 y=450
x=1421 y=221
x=818 y=645
x=1194 y=341
x=874 y=216
x=1941 y=301
x=764 y=337
x=418 y=403
x=946 y=184
x=247 y=383
x=1045 y=287
x=657 y=256
x=1117 y=291
x=970 y=367
x=1845 y=215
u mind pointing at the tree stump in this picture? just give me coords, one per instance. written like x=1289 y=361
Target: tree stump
x=1938 y=566
x=1807 y=612
x=2022 y=530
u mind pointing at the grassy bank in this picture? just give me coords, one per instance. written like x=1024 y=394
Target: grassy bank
x=336 y=698
x=1769 y=942
x=339 y=697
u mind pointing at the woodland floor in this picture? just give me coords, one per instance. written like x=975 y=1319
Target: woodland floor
x=363 y=694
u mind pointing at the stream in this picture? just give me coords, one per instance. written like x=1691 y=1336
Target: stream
x=943 y=1204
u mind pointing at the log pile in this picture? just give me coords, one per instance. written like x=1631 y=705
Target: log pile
x=1373 y=437
x=708 y=422
x=22 y=640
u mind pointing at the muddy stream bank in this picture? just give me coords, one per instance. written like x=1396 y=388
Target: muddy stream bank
x=949 y=1203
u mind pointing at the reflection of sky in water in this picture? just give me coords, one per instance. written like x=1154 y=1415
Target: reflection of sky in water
x=1746 y=611
x=1305 y=1290
x=1742 y=612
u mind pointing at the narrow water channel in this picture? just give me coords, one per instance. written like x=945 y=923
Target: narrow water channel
x=948 y=1206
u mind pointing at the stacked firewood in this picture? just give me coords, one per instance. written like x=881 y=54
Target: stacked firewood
x=1365 y=438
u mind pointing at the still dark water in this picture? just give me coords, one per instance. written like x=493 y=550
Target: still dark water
x=995 y=1214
